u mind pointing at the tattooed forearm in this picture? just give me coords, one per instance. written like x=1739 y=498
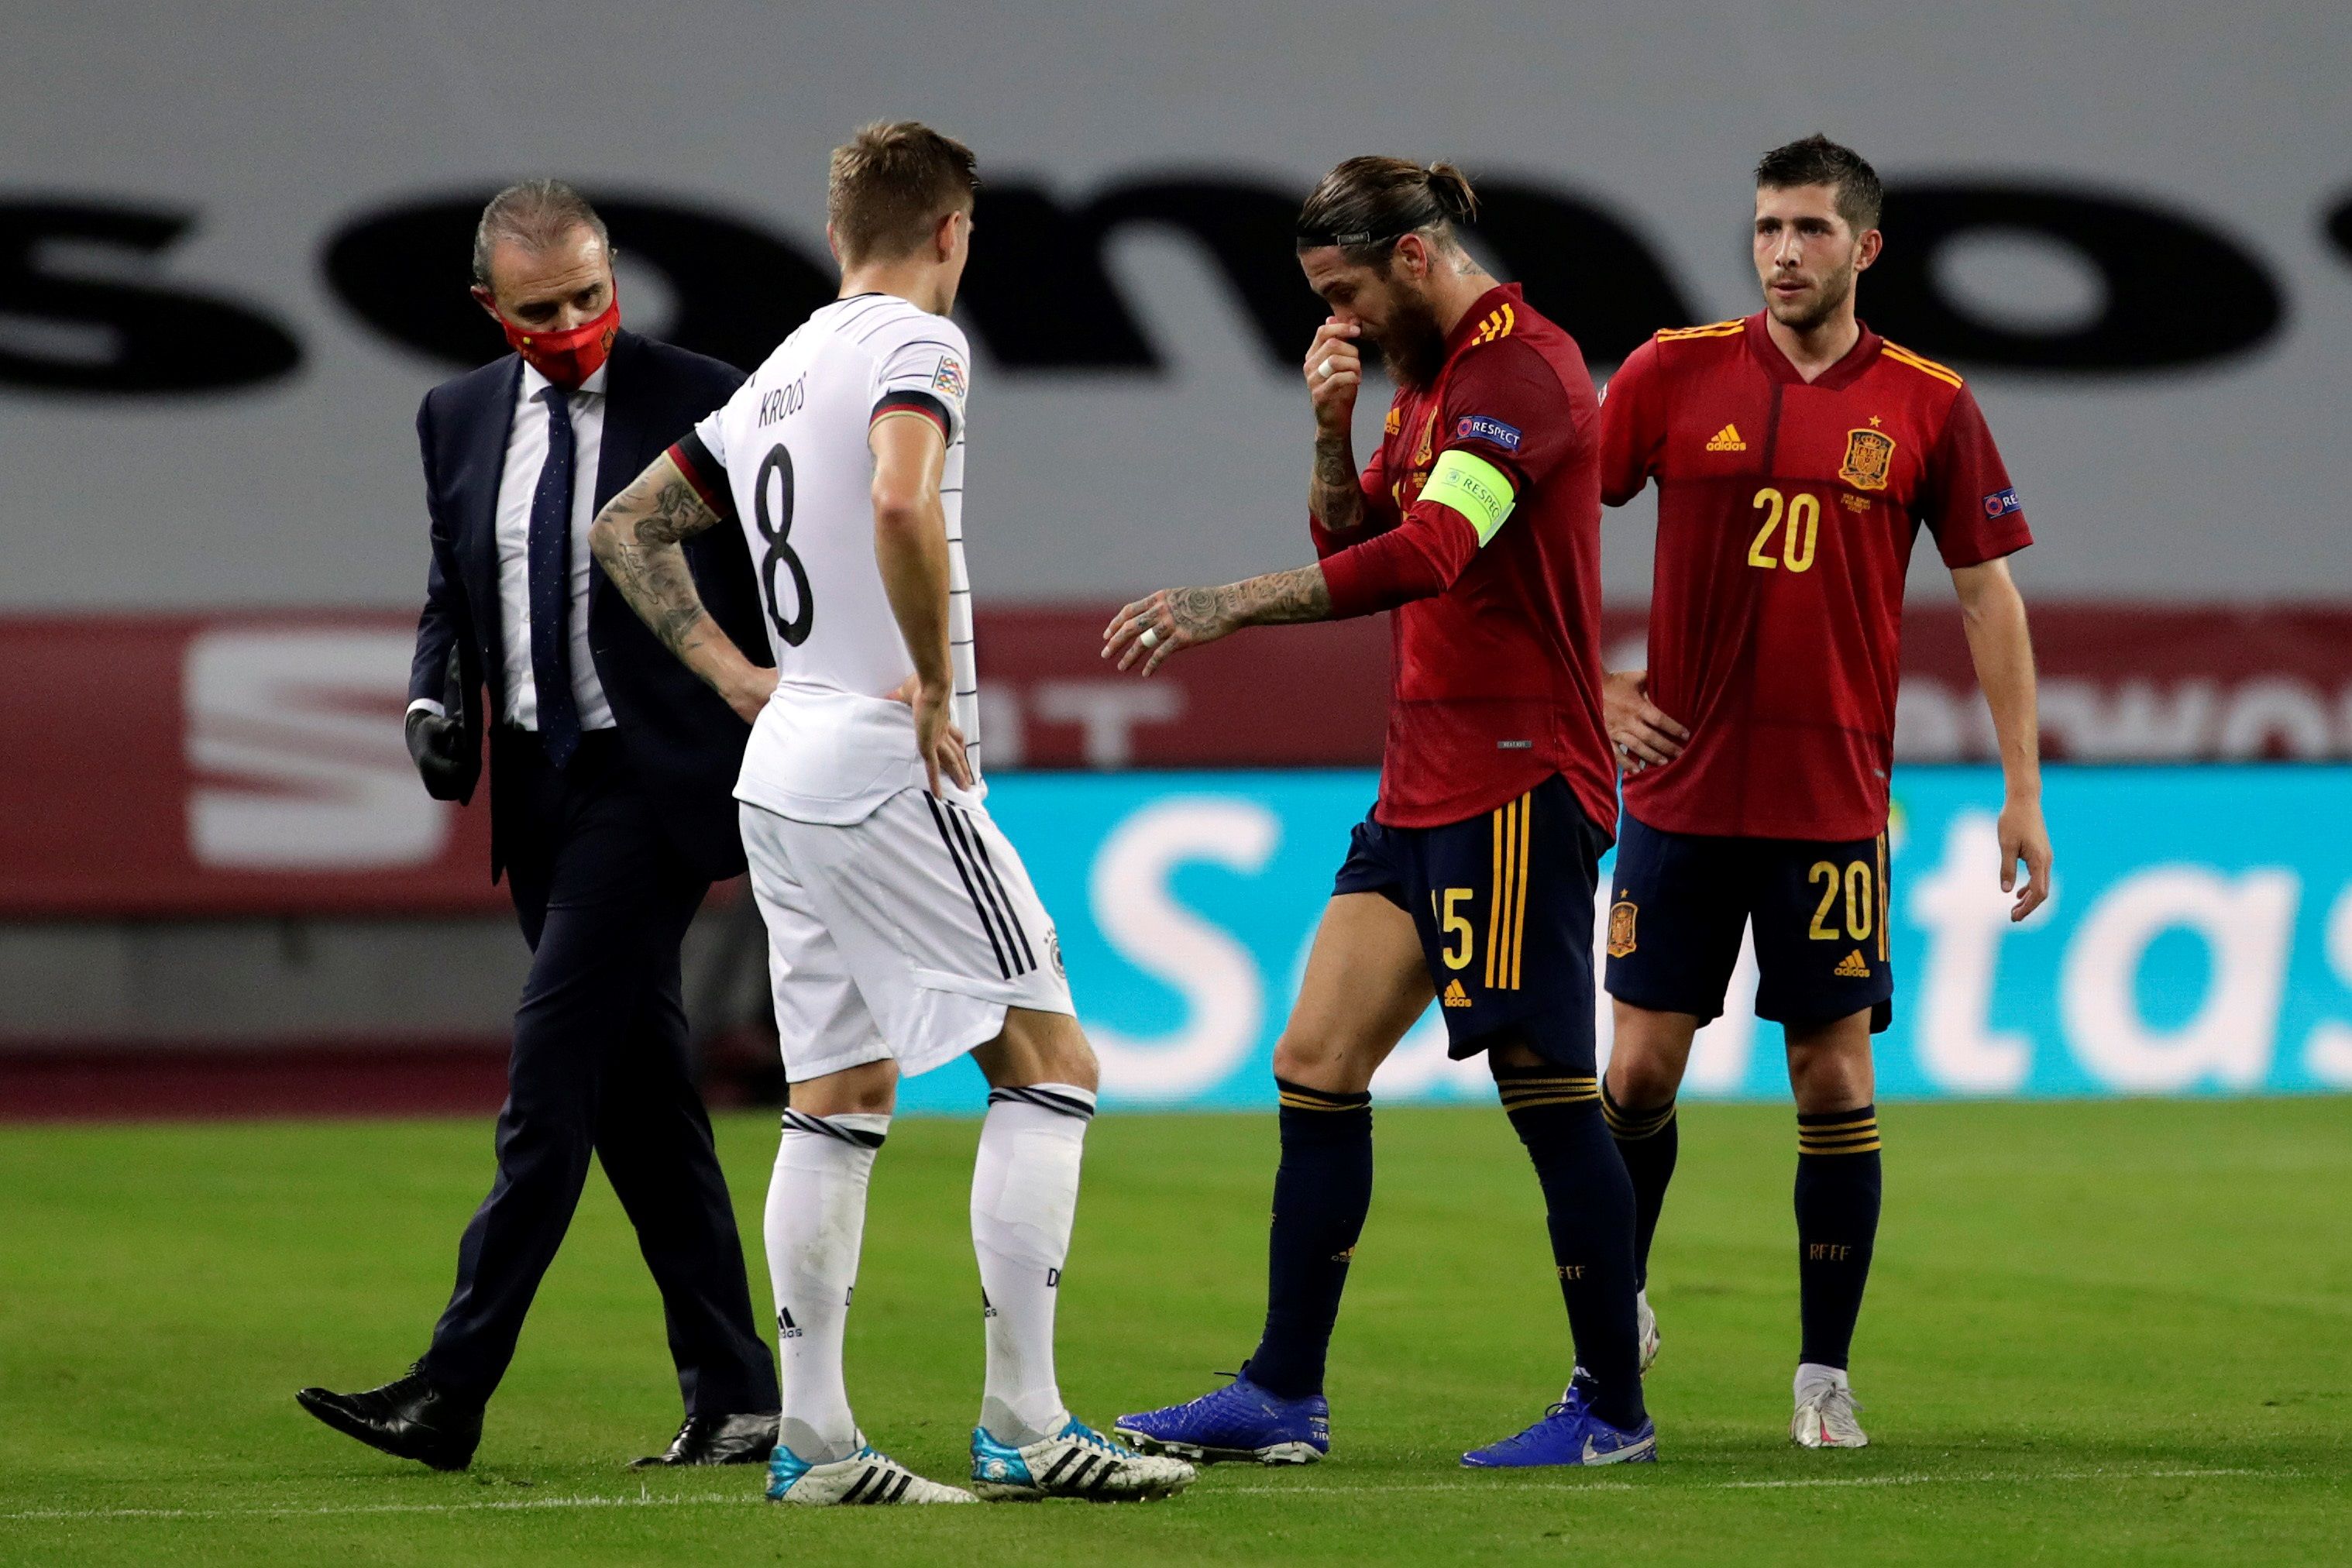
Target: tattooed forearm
x=1333 y=494
x=636 y=539
x=1270 y=600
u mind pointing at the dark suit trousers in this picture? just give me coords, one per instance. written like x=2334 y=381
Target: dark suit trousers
x=600 y=1064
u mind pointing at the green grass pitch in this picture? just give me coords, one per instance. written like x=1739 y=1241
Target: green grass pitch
x=2115 y=1332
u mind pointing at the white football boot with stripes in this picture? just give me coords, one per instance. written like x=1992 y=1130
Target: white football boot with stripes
x=865 y=1477
x=1077 y=1462
x=1825 y=1407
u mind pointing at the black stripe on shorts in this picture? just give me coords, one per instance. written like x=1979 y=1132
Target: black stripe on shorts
x=971 y=890
x=988 y=870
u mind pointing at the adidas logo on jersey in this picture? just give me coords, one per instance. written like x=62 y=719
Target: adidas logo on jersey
x=1454 y=995
x=1726 y=440
x=1851 y=967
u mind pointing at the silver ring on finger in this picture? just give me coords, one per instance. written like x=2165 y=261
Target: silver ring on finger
x=1325 y=370
x=1149 y=640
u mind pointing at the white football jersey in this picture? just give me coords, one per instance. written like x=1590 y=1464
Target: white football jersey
x=792 y=465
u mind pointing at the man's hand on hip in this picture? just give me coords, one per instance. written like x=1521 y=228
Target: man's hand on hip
x=1644 y=734
x=747 y=689
x=936 y=736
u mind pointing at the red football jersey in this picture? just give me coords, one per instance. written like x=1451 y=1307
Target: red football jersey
x=1786 y=515
x=1496 y=638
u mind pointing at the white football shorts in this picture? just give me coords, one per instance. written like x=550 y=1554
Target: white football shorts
x=901 y=937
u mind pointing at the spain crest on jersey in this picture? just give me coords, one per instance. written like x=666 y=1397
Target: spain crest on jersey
x=1869 y=454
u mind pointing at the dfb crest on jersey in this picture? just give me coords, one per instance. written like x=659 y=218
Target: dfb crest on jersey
x=1620 y=927
x=1869 y=454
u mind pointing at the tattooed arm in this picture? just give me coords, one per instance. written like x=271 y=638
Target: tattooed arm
x=1334 y=369
x=1423 y=557
x=1187 y=617
x=637 y=540
x=1333 y=494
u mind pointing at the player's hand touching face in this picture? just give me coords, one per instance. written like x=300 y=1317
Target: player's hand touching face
x=2024 y=836
x=1151 y=629
x=1335 y=369
x=1643 y=733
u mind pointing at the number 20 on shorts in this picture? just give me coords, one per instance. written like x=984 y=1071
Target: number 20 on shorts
x=1861 y=901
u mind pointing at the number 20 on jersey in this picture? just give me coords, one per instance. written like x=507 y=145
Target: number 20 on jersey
x=1791 y=526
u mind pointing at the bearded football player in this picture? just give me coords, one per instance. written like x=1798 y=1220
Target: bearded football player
x=1473 y=881
x=1797 y=455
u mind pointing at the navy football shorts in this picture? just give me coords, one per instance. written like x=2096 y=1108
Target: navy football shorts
x=1819 y=911
x=1504 y=905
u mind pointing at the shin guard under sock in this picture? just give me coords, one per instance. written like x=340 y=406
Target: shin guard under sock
x=1588 y=1206
x=1837 y=1225
x=1648 y=1139
x=1322 y=1190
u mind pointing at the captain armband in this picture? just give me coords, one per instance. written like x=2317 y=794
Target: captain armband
x=1473 y=486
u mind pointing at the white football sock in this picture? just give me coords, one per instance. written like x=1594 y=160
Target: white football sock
x=1024 y=1195
x=1810 y=1373
x=815 y=1224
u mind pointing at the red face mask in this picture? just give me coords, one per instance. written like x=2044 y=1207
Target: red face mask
x=568 y=358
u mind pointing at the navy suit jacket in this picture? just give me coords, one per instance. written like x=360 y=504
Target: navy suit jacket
x=685 y=744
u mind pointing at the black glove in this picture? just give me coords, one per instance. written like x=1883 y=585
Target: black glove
x=434 y=743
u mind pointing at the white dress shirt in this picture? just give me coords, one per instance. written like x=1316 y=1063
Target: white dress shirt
x=526 y=455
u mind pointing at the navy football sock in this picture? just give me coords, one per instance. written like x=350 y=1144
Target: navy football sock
x=1837 y=1224
x=1648 y=1138
x=1322 y=1190
x=1589 y=1204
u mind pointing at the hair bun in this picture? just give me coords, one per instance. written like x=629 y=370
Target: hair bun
x=1449 y=187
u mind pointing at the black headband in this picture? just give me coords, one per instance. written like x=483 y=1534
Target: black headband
x=1315 y=238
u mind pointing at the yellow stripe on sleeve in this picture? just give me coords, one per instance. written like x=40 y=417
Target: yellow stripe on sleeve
x=1900 y=356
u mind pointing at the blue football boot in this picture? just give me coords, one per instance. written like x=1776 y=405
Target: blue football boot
x=1239 y=1420
x=1569 y=1434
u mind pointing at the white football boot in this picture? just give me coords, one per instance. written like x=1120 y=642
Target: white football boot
x=1076 y=1462
x=1645 y=1325
x=1825 y=1407
x=865 y=1477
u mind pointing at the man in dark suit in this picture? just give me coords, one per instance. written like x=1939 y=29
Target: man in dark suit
x=612 y=812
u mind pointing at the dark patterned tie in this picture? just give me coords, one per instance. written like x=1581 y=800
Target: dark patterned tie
x=551 y=586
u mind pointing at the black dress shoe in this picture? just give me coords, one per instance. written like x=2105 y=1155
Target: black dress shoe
x=718 y=1440
x=407 y=1418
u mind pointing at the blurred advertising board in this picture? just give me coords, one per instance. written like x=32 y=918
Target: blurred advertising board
x=2199 y=940
x=176 y=765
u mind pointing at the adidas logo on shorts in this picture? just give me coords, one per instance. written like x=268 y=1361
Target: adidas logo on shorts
x=1454 y=995
x=1851 y=967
